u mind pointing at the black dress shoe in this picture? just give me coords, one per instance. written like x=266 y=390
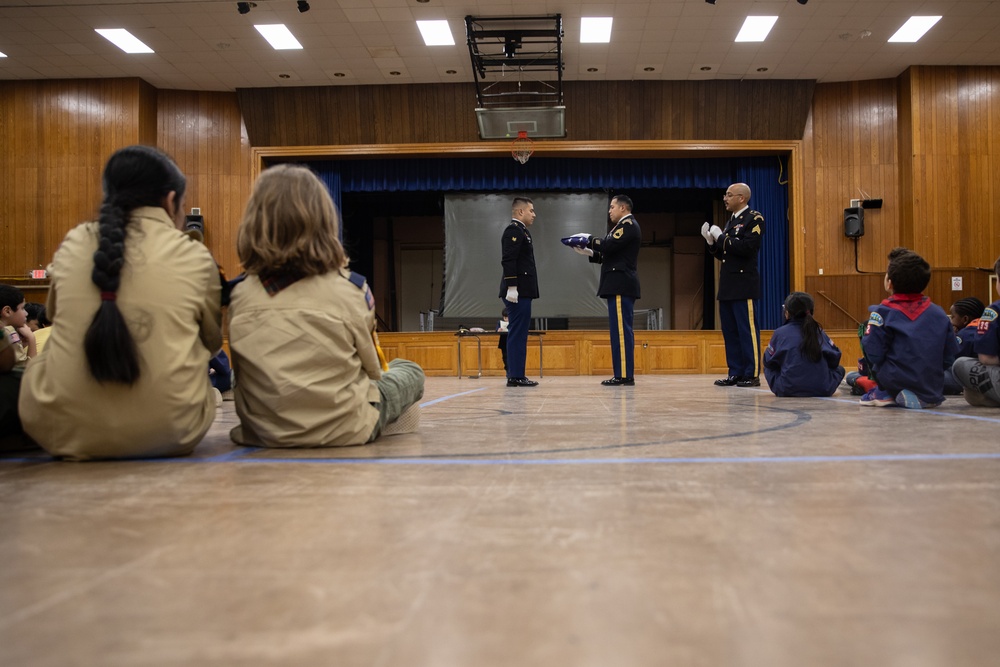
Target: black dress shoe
x=521 y=382
x=728 y=382
x=619 y=382
x=748 y=382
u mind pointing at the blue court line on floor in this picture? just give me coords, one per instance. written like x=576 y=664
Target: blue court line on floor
x=606 y=461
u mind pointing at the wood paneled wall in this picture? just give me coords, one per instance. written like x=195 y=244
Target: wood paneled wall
x=54 y=139
x=205 y=134
x=952 y=183
x=595 y=111
x=925 y=143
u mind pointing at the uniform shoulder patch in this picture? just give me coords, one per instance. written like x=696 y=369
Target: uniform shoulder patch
x=875 y=319
x=989 y=315
x=618 y=233
x=361 y=283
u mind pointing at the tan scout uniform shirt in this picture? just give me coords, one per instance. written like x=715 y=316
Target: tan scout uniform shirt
x=169 y=296
x=304 y=362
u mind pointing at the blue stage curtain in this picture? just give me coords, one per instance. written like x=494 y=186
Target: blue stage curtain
x=770 y=197
x=499 y=174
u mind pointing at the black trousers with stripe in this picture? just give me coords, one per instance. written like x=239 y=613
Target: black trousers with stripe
x=741 y=333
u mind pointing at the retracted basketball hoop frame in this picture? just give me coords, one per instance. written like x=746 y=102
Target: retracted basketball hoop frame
x=522 y=147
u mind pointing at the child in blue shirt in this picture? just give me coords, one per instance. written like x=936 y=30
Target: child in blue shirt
x=908 y=339
x=980 y=375
x=964 y=316
x=801 y=360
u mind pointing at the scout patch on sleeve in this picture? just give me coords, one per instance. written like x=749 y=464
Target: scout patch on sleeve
x=989 y=315
x=875 y=320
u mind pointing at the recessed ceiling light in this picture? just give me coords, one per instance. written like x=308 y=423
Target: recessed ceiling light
x=124 y=40
x=591 y=69
x=755 y=28
x=278 y=36
x=394 y=73
x=451 y=71
x=915 y=28
x=2 y=54
x=761 y=69
x=284 y=76
x=705 y=68
x=436 y=33
x=595 y=29
x=339 y=74
x=648 y=69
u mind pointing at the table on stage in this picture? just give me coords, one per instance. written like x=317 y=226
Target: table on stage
x=465 y=333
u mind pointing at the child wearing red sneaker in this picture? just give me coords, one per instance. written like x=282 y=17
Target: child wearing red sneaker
x=908 y=339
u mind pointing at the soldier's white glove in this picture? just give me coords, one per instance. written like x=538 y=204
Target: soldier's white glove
x=585 y=251
x=511 y=294
x=716 y=232
x=706 y=234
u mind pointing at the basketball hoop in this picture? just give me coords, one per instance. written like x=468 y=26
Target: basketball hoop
x=521 y=148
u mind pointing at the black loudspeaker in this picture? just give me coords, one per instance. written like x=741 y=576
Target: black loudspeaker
x=854 y=222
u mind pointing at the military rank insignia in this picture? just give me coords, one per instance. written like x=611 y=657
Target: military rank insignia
x=618 y=233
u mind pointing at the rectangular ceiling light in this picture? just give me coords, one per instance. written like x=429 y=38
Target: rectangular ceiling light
x=278 y=36
x=756 y=28
x=595 y=29
x=915 y=28
x=124 y=40
x=2 y=54
x=436 y=33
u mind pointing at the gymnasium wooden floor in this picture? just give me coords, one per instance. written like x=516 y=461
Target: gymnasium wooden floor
x=671 y=523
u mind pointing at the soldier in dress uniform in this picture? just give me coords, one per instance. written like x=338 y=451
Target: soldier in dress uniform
x=618 y=255
x=737 y=246
x=518 y=287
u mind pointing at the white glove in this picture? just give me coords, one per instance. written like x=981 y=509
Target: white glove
x=706 y=234
x=511 y=294
x=716 y=232
x=585 y=251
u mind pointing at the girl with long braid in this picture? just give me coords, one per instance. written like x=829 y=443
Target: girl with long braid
x=801 y=360
x=135 y=309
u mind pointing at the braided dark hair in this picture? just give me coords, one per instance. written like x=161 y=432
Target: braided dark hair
x=799 y=306
x=134 y=176
x=969 y=307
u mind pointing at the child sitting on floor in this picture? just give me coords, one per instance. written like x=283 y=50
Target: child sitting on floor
x=302 y=329
x=800 y=359
x=980 y=375
x=964 y=316
x=908 y=340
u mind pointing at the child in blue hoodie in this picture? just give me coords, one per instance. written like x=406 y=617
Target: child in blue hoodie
x=801 y=360
x=908 y=339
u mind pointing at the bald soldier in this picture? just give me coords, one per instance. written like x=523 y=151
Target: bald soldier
x=736 y=246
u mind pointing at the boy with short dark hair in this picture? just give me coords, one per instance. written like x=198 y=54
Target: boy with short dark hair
x=908 y=339
x=14 y=320
x=980 y=375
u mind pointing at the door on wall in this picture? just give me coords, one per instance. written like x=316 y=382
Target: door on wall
x=420 y=273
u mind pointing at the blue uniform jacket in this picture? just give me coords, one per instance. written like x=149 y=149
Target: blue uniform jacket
x=738 y=246
x=966 y=339
x=988 y=336
x=909 y=342
x=518 y=261
x=790 y=372
x=618 y=255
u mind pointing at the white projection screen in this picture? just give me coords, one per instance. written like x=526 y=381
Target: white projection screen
x=567 y=281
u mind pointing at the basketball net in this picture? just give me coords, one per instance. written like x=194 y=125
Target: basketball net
x=521 y=148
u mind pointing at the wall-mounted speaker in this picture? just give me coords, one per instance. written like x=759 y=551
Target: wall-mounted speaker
x=854 y=222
